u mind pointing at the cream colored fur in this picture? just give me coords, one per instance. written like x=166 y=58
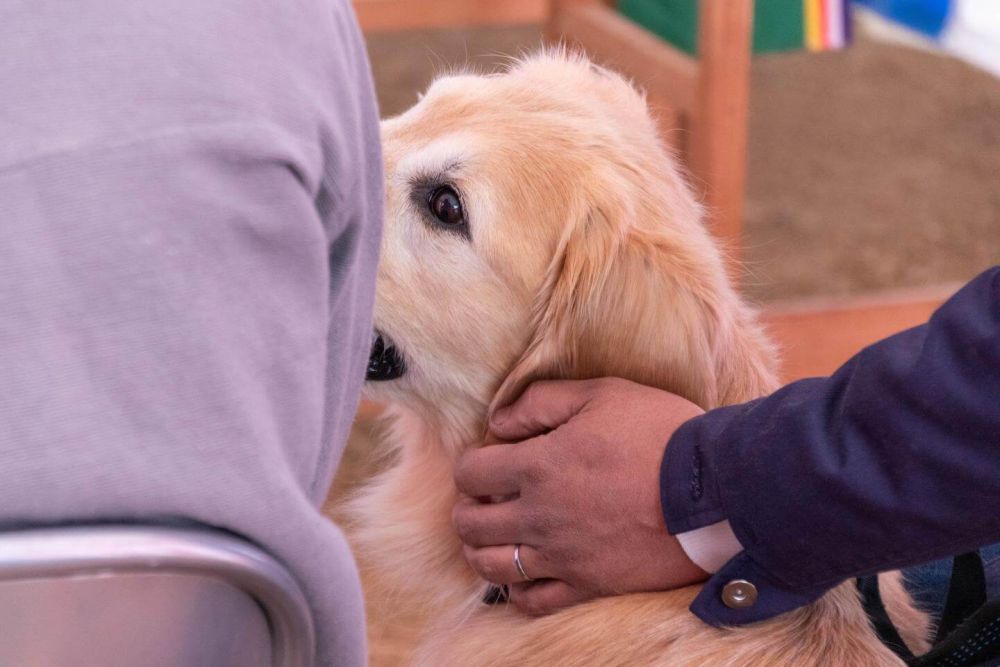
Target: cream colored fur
x=588 y=258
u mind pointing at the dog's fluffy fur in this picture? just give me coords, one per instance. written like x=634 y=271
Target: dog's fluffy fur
x=588 y=257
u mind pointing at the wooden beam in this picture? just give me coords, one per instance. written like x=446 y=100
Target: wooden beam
x=394 y=15
x=718 y=140
x=816 y=336
x=668 y=74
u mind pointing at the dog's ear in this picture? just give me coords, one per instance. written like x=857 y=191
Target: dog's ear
x=633 y=294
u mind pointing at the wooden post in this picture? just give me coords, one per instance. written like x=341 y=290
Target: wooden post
x=717 y=152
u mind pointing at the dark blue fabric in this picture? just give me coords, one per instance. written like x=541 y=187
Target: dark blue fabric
x=892 y=461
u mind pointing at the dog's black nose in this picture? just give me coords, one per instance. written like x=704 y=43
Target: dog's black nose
x=384 y=362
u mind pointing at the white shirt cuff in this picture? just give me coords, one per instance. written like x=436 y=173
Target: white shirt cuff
x=710 y=547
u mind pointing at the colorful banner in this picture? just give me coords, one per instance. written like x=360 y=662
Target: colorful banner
x=779 y=25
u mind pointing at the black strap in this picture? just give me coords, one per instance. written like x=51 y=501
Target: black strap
x=966 y=593
x=969 y=632
x=871 y=598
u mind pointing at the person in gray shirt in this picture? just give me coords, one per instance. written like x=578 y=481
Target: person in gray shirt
x=190 y=201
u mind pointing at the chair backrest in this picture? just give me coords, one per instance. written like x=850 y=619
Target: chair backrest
x=152 y=596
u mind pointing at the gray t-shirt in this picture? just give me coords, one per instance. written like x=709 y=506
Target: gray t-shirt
x=190 y=204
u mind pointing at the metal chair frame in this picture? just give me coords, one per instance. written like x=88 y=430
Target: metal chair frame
x=45 y=570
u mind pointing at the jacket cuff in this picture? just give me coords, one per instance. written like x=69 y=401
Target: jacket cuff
x=714 y=604
x=690 y=495
x=689 y=487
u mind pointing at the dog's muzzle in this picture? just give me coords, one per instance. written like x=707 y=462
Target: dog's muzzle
x=385 y=362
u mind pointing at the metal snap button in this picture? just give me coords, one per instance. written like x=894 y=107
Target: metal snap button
x=739 y=594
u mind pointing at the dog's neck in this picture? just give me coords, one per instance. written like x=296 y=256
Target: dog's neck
x=456 y=428
x=401 y=523
x=448 y=423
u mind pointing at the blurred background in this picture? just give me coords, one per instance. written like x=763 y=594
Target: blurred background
x=871 y=165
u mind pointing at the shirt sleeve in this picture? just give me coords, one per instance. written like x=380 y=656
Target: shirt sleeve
x=890 y=462
x=710 y=547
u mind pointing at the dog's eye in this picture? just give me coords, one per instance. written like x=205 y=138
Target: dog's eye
x=446 y=206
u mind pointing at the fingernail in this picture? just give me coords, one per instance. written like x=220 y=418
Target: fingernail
x=500 y=416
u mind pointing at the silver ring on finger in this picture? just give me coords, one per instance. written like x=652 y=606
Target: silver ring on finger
x=519 y=565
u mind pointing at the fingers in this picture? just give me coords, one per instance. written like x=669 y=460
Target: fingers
x=487 y=524
x=544 y=597
x=542 y=407
x=493 y=470
x=496 y=564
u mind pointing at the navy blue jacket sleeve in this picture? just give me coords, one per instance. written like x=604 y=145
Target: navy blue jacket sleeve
x=892 y=461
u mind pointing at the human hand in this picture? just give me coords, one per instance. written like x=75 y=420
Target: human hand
x=584 y=494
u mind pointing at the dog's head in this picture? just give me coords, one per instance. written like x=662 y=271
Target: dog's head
x=536 y=228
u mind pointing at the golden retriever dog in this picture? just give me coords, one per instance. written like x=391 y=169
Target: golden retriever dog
x=536 y=227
